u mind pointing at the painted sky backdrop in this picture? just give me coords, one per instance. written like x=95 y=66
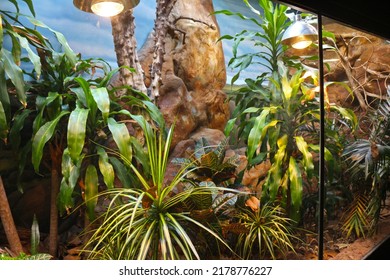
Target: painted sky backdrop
x=91 y=36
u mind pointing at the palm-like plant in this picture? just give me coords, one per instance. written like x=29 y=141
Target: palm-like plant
x=149 y=222
x=267 y=232
x=371 y=157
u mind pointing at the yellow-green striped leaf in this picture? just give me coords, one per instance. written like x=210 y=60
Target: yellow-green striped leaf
x=122 y=138
x=100 y=95
x=274 y=179
x=71 y=173
x=91 y=190
x=106 y=168
x=254 y=138
x=296 y=188
x=77 y=127
x=307 y=156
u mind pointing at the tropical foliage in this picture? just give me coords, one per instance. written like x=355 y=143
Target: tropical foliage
x=149 y=221
x=282 y=127
x=370 y=161
x=60 y=117
x=268 y=233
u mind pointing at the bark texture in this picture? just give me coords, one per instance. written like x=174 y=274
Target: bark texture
x=8 y=222
x=125 y=43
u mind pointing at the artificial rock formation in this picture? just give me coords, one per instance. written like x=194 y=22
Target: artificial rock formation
x=363 y=61
x=193 y=73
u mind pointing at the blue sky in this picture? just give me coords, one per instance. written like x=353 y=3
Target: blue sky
x=91 y=36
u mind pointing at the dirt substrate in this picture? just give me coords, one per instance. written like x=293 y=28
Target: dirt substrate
x=360 y=248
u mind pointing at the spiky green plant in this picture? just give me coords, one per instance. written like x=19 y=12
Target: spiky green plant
x=268 y=232
x=148 y=222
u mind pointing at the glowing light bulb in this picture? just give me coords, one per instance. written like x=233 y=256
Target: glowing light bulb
x=107 y=8
x=301 y=45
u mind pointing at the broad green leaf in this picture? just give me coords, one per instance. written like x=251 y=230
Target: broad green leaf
x=80 y=95
x=30 y=6
x=65 y=199
x=106 y=168
x=15 y=74
x=307 y=156
x=4 y=96
x=16 y=128
x=88 y=100
x=155 y=113
x=71 y=173
x=254 y=138
x=43 y=135
x=251 y=110
x=34 y=58
x=100 y=95
x=229 y=126
x=287 y=90
x=274 y=178
x=77 y=126
x=61 y=39
x=252 y=8
x=41 y=103
x=16 y=49
x=91 y=190
x=122 y=139
x=16 y=5
x=296 y=188
x=71 y=169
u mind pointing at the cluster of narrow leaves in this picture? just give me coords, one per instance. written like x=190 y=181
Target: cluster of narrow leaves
x=149 y=222
x=267 y=232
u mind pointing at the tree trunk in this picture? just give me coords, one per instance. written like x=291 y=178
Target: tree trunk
x=163 y=9
x=56 y=158
x=125 y=43
x=53 y=234
x=8 y=222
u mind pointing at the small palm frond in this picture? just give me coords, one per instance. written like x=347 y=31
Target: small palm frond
x=356 y=219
